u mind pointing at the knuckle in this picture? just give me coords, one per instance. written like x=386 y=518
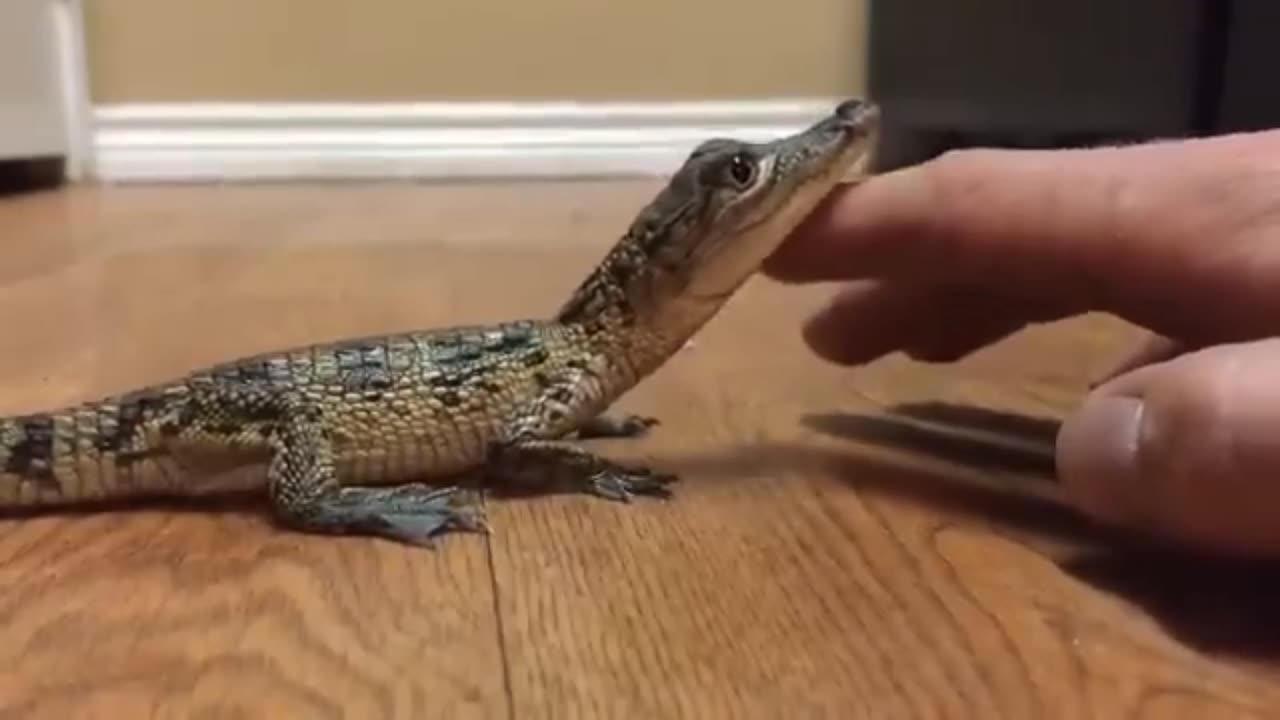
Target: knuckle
x=960 y=181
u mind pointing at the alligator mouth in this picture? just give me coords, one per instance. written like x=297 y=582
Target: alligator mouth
x=858 y=171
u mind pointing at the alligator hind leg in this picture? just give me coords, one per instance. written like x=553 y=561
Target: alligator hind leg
x=307 y=495
x=530 y=455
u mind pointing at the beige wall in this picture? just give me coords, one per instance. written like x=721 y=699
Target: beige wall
x=178 y=50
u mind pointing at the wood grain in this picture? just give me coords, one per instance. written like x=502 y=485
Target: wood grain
x=873 y=543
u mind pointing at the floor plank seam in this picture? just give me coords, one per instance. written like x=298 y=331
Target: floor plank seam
x=498 y=624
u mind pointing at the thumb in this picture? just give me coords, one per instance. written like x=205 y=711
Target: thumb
x=1188 y=449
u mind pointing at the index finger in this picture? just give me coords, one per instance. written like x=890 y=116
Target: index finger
x=964 y=212
x=1151 y=232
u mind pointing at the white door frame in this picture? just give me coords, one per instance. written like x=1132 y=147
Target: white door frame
x=73 y=79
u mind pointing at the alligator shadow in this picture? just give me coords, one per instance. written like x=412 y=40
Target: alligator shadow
x=233 y=502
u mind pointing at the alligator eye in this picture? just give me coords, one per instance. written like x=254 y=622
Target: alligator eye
x=742 y=169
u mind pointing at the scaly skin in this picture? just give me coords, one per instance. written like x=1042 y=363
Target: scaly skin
x=344 y=437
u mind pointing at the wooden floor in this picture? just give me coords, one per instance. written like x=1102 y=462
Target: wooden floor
x=845 y=543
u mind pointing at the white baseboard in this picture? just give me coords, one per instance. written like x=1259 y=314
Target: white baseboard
x=320 y=141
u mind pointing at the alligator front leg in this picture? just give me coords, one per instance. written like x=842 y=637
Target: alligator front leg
x=544 y=464
x=615 y=426
x=533 y=457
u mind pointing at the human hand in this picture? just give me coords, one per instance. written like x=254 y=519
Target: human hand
x=1180 y=237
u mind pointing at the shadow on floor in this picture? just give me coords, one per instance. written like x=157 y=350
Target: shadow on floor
x=1007 y=485
x=1012 y=453
x=1214 y=604
x=1019 y=426
x=236 y=502
x=980 y=439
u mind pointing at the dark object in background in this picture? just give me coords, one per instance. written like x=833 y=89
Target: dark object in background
x=1028 y=73
x=1250 y=94
x=29 y=174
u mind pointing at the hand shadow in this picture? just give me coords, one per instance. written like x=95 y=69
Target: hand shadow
x=1214 y=604
x=1003 y=462
x=969 y=436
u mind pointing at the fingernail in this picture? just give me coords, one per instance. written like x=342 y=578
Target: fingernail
x=1097 y=452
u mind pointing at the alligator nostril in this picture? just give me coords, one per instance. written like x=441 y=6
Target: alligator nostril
x=849 y=109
